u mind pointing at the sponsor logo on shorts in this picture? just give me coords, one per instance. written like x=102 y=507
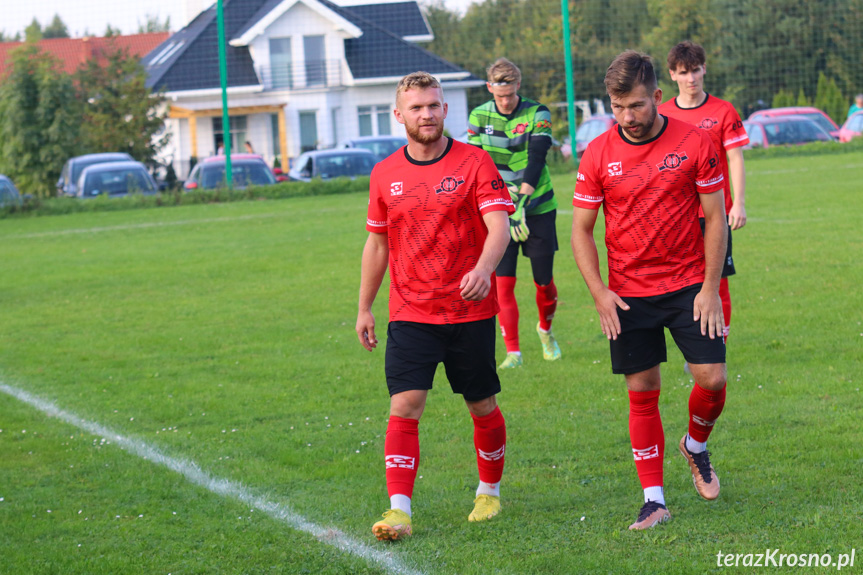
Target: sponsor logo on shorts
x=647 y=453
x=615 y=168
x=492 y=455
x=401 y=461
x=449 y=184
x=672 y=161
x=701 y=421
x=396 y=188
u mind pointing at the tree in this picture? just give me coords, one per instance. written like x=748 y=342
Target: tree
x=110 y=31
x=120 y=113
x=39 y=120
x=829 y=98
x=152 y=24
x=33 y=32
x=56 y=29
x=10 y=38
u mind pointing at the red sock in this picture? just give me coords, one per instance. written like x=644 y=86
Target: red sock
x=647 y=436
x=402 y=451
x=725 y=296
x=546 y=301
x=704 y=409
x=489 y=439
x=508 y=315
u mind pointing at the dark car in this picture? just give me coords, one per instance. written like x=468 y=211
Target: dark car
x=784 y=130
x=67 y=185
x=328 y=164
x=115 y=179
x=247 y=170
x=587 y=132
x=814 y=114
x=381 y=146
x=9 y=195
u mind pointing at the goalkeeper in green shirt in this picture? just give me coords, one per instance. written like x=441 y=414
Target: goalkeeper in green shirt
x=516 y=132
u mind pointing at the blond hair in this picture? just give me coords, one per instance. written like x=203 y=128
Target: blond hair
x=417 y=80
x=503 y=72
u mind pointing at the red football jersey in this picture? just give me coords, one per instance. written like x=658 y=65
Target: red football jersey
x=721 y=122
x=649 y=193
x=432 y=215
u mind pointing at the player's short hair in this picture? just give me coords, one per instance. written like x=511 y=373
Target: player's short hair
x=503 y=72
x=858 y=97
x=417 y=80
x=687 y=54
x=628 y=70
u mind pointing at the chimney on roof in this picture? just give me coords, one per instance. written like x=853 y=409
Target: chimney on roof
x=86 y=50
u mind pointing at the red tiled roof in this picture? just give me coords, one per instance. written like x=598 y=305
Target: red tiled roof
x=73 y=52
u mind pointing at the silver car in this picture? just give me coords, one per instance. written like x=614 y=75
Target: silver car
x=115 y=179
x=67 y=185
x=328 y=164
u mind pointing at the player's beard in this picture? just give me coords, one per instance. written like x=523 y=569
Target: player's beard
x=424 y=138
x=642 y=128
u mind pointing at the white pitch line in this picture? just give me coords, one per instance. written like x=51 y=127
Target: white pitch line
x=220 y=486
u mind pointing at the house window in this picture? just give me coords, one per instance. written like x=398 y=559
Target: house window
x=374 y=120
x=238 y=133
x=316 y=63
x=281 y=74
x=308 y=131
x=335 y=114
x=277 y=143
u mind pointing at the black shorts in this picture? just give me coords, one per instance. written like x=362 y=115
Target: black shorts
x=728 y=268
x=466 y=350
x=541 y=242
x=641 y=343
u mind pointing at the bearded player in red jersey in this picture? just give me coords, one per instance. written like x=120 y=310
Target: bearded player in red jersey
x=438 y=216
x=650 y=175
x=719 y=119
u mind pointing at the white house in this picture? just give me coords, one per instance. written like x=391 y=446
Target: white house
x=302 y=74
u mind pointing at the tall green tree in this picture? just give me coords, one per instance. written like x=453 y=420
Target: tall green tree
x=56 y=29
x=152 y=24
x=33 y=32
x=829 y=98
x=119 y=112
x=110 y=31
x=39 y=120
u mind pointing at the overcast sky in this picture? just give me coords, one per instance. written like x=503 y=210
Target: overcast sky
x=93 y=16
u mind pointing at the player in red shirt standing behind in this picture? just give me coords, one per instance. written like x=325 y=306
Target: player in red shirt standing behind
x=650 y=175
x=719 y=119
x=438 y=216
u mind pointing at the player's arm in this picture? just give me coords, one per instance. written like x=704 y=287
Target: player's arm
x=737 y=174
x=539 y=142
x=473 y=137
x=587 y=260
x=707 y=307
x=375 y=259
x=476 y=284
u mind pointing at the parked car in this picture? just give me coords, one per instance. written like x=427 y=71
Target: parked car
x=587 y=131
x=328 y=164
x=247 y=170
x=67 y=185
x=815 y=114
x=852 y=127
x=9 y=195
x=381 y=146
x=115 y=179
x=783 y=130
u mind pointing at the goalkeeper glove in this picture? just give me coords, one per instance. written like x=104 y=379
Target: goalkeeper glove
x=518 y=230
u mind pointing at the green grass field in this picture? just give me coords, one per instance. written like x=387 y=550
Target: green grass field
x=223 y=336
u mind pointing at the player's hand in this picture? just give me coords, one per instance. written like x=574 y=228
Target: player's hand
x=707 y=308
x=607 y=304
x=518 y=229
x=475 y=285
x=737 y=217
x=366 y=330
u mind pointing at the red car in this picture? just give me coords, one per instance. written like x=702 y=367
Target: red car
x=852 y=127
x=786 y=130
x=815 y=114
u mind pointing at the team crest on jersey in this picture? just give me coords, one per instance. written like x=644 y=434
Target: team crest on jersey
x=396 y=188
x=521 y=128
x=489 y=130
x=449 y=184
x=615 y=168
x=672 y=161
x=708 y=123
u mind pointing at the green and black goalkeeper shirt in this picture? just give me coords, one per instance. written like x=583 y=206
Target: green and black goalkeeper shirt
x=518 y=144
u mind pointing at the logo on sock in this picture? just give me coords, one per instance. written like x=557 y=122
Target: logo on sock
x=402 y=461
x=492 y=455
x=647 y=453
x=701 y=421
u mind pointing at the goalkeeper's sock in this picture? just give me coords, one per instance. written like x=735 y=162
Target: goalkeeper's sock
x=508 y=315
x=546 y=302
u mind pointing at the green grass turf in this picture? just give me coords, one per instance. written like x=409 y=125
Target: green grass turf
x=223 y=334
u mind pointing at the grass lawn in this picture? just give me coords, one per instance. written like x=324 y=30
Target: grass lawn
x=224 y=335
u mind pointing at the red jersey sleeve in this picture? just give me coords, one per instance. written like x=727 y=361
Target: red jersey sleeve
x=491 y=192
x=709 y=177
x=376 y=218
x=588 y=185
x=733 y=133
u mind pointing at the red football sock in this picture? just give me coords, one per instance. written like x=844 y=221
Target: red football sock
x=489 y=439
x=725 y=296
x=402 y=451
x=704 y=409
x=546 y=302
x=647 y=436
x=508 y=315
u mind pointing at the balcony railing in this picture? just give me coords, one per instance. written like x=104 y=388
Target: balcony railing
x=301 y=75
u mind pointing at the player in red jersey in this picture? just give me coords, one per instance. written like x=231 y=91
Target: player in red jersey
x=438 y=217
x=719 y=119
x=650 y=175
